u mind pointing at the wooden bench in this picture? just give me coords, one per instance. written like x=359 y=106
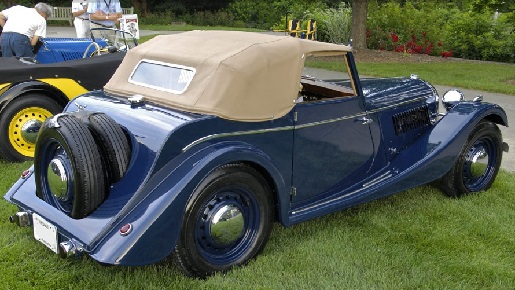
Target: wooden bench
x=65 y=13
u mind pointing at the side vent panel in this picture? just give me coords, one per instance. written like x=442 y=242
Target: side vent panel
x=411 y=120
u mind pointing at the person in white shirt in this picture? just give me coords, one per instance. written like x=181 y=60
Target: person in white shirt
x=81 y=20
x=104 y=13
x=22 y=27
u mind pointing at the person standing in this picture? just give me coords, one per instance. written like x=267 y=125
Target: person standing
x=104 y=13
x=22 y=27
x=81 y=18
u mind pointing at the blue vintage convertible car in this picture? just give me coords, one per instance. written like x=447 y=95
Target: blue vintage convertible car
x=202 y=140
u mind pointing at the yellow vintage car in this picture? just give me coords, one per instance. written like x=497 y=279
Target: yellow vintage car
x=32 y=90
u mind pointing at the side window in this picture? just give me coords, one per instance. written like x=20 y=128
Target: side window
x=334 y=81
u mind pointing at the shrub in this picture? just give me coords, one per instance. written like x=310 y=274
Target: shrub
x=208 y=18
x=333 y=24
x=272 y=14
x=416 y=29
x=441 y=30
x=479 y=36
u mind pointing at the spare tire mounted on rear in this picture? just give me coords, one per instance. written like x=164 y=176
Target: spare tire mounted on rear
x=74 y=153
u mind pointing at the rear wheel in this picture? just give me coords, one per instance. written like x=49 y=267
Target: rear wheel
x=20 y=122
x=227 y=222
x=478 y=163
x=68 y=167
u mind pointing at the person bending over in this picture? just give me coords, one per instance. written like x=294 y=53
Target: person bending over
x=22 y=27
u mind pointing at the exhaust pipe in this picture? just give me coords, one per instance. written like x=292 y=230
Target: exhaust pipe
x=21 y=218
x=70 y=248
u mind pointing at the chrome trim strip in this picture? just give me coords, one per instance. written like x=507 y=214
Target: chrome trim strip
x=329 y=121
x=324 y=203
x=307 y=125
x=221 y=135
x=397 y=104
x=378 y=179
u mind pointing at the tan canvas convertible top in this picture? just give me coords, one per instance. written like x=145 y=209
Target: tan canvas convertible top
x=238 y=75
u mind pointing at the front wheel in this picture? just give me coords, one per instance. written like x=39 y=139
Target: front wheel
x=478 y=162
x=20 y=123
x=227 y=222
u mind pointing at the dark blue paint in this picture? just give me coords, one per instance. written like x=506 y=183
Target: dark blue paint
x=306 y=149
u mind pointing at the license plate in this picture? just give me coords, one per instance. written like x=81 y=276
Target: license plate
x=45 y=232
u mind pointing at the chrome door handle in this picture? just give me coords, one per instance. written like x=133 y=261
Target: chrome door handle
x=364 y=120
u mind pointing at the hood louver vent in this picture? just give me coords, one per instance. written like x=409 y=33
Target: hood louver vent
x=71 y=55
x=411 y=120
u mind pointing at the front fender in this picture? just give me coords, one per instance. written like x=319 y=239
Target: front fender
x=439 y=148
x=157 y=219
x=15 y=90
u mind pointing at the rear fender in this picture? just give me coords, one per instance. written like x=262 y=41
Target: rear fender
x=157 y=219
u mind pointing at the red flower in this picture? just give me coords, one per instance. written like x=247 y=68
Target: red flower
x=424 y=34
x=429 y=48
x=395 y=37
x=440 y=43
x=446 y=54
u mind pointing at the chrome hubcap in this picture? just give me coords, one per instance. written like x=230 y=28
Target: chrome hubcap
x=29 y=130
x=479 y=162
x=57 y=179
x=227 y=225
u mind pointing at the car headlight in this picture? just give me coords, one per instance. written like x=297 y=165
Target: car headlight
x=451 y=98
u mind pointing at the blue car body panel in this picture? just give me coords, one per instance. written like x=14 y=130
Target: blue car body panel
x=173 y=151
x=64 y=49
x=331 y=145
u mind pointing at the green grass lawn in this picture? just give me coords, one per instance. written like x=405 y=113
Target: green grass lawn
x=492 y=77
x=415 y=239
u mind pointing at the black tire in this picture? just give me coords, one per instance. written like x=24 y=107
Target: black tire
x=113 y=143
x=214 y=242
x=20 y=122
x=68 y=168
x=478 y=162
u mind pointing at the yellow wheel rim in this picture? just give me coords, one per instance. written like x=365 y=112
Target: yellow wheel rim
x=24 y=127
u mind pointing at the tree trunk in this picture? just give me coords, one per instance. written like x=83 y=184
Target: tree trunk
x=141 y=6
x=359 y=24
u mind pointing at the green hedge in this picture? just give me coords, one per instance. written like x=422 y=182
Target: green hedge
x=441 y=30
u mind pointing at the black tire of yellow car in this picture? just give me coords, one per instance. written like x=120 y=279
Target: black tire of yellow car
x=478 y=163
x=68 y=167
x=113 y=143
x=234 y=200
x=33 y=100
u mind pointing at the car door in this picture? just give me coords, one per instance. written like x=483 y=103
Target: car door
x=333 y=147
